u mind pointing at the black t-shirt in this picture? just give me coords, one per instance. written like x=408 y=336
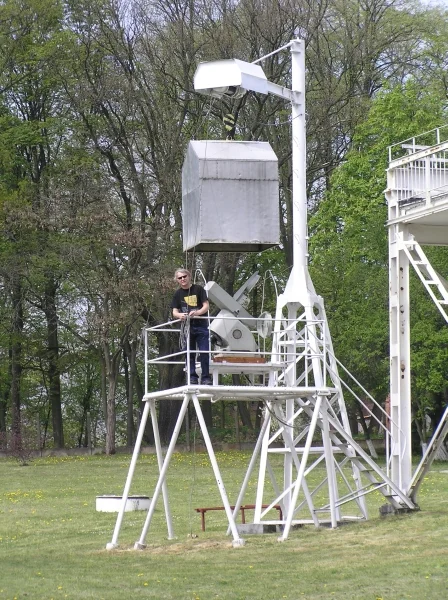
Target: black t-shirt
x=191 y=299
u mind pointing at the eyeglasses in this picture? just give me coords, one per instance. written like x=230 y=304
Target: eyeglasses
x=183 y=277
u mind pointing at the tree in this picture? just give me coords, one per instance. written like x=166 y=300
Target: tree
x=96 y=109
x=349 y=249
x=31 y=103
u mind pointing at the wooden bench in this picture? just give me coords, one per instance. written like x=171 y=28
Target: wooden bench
x=243 y=509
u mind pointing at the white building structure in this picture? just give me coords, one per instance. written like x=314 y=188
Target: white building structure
x=417 y=198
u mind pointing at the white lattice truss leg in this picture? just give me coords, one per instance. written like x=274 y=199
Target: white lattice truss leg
x=322 y=469
x=312 y=433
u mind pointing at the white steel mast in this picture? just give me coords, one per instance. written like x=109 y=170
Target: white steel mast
x=305 y=417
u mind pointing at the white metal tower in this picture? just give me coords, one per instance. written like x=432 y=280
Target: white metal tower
x=417 y=196
x=305 y=419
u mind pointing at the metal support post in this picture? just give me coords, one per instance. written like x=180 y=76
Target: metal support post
x=400 y=367
x=237 y=541
x=140 y=544
x=155 y=427
x=138 y=442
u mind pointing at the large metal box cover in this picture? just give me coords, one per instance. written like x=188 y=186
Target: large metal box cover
x=230 y=196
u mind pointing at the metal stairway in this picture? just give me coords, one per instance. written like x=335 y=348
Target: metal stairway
x=435 y=284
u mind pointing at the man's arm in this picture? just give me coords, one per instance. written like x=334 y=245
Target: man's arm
x=200 y=312
x=176 y=307
x=177 y=314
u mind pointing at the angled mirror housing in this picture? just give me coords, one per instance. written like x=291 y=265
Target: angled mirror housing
x=231 y=78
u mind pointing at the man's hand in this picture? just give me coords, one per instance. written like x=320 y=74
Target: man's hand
x=179 y=315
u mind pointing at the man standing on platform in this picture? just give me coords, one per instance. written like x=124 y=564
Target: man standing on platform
x=189 y=302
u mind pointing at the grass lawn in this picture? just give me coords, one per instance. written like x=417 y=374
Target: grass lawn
x=52 y=540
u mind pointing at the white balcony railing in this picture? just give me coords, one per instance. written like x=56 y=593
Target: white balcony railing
x=418 y=168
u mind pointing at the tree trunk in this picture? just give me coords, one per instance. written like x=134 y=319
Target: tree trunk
x=86 y=406
x=111 y=420
x=366 y=431
x=374 y=422
x=54 y=376
x=206 y=406
x=112 y=363
x=82 y=430
x=226 y=270
x=136 y=384
x=169 y=376
x=245 y=415
x=130 y=404
x=259 y=415
x=16 y=357
x=4 y=400
x=103 y=387
x=3 y=406
x=243 y=410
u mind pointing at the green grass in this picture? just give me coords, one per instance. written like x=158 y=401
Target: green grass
x=52 y=540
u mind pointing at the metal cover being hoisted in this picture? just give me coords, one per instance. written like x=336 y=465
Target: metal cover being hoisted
x=230 y=199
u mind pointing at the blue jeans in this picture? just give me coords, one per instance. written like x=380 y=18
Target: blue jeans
x=199 y=339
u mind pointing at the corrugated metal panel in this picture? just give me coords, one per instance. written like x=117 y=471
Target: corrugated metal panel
x=230 y=196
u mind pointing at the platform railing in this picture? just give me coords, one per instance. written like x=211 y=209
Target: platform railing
x=307 y=337
x=430 y=138
x=421 y=179
x=303 y=351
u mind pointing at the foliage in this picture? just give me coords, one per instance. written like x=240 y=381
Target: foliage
x=19 y=446
x=349 y=249
x=96 y=110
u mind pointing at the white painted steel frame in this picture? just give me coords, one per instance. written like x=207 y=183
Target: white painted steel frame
x=417 y=197
x=400 y=360
x=436 y=287
x=300 y=295
x=278 y=400
x=301 y=335
x=149 y=407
